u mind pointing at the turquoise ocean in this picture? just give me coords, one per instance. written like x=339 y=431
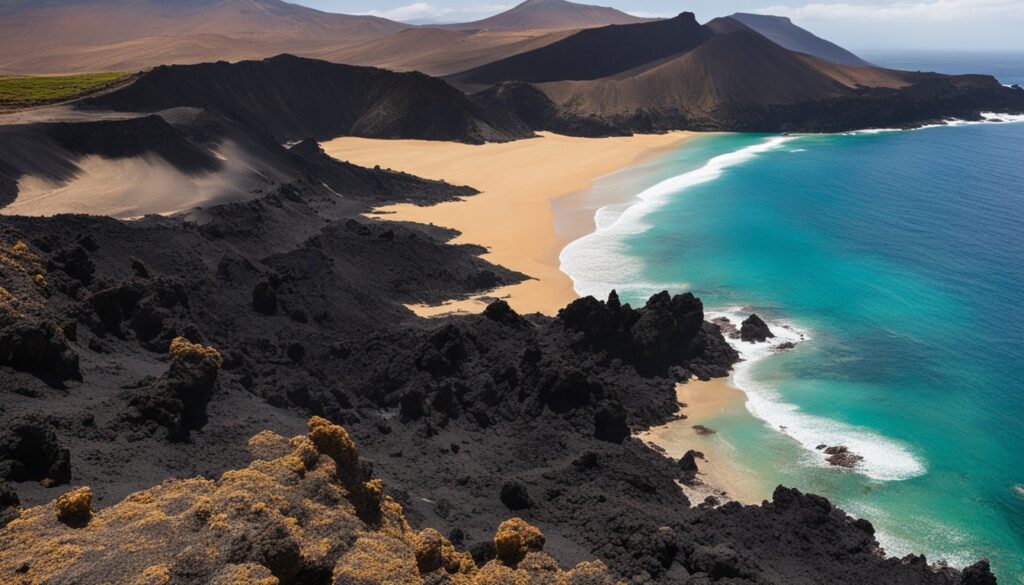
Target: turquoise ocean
x=896 y=259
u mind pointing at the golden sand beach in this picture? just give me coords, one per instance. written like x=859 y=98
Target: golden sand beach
x=512 y=216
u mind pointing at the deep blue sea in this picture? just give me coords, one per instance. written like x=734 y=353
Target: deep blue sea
x=899 y=257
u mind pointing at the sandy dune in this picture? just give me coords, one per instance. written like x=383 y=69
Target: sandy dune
x=133 y=187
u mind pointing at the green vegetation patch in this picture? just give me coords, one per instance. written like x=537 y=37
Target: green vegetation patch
x=18 y=91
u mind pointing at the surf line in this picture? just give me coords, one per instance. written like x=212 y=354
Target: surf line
x=597 y=264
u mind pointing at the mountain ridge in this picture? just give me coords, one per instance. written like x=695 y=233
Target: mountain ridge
x=550 y=15
x=595 y=53
x=318 y=99
x=781 y=31
x=125 y=35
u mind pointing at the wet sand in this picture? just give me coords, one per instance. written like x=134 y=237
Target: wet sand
x=706 y=401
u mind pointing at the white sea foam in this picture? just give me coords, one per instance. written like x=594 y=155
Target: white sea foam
x=596 y=262
x=986 y=118
x=884 y=459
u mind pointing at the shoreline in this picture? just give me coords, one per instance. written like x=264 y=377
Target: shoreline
x=518 y=182
x=718 y=475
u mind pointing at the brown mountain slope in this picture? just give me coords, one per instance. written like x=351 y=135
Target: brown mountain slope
x=741 y=81
x=437 y=51
x=57 y=36
x=551 y=15
x=741 y=67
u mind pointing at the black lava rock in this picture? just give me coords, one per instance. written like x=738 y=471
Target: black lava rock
x=754 y=329
x=515 y=496
x=264 y=299
x=30 y=451
x=610 y=424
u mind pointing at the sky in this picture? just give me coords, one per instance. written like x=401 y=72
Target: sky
x=960 y=25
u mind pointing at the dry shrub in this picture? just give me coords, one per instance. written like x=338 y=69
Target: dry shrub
x=186 y=351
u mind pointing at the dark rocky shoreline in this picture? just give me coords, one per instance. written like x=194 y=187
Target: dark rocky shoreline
x=467 y=420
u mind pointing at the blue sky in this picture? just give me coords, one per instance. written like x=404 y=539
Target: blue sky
x=982 y=25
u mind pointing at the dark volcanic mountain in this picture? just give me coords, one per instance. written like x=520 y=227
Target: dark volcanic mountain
x=730 y=78
x=292 y=98
x=56 y=36
x=781 y=31
x=595 y=53
x=551 y=14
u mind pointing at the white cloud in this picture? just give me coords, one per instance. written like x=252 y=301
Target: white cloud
x=426 y=12
x=933 y=10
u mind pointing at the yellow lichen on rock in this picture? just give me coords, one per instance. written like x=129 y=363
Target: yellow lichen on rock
x=75 y=506
x=377 y=559
x=186 y=351
x=265 y=525
x=155 y=575
x=247 y=574
x=435 y=553
x=333 y=440
x=20 y=256
x=516 y=538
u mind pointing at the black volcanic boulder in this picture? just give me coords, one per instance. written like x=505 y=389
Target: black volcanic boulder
x=668 y=331
x=980 y=573
x=177 y=401
x=755 y=330
x=610 y=423
x=9 y=503
x=515 y=496
x=155 y=310
x=688 y=464
x=264 y=299
x=30 y=451
x=36 y=344
x=501 y=312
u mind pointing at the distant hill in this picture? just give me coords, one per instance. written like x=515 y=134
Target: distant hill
x=437 y=51
x=784 y=33
x=595 y=53
x=551 y=15
x=67 y=36
x=741 y=67
x=293 y=98
x=742 y=81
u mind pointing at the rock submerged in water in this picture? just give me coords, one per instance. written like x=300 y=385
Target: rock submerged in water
x=755 y=330
x=841 y=456
x=703 y=430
